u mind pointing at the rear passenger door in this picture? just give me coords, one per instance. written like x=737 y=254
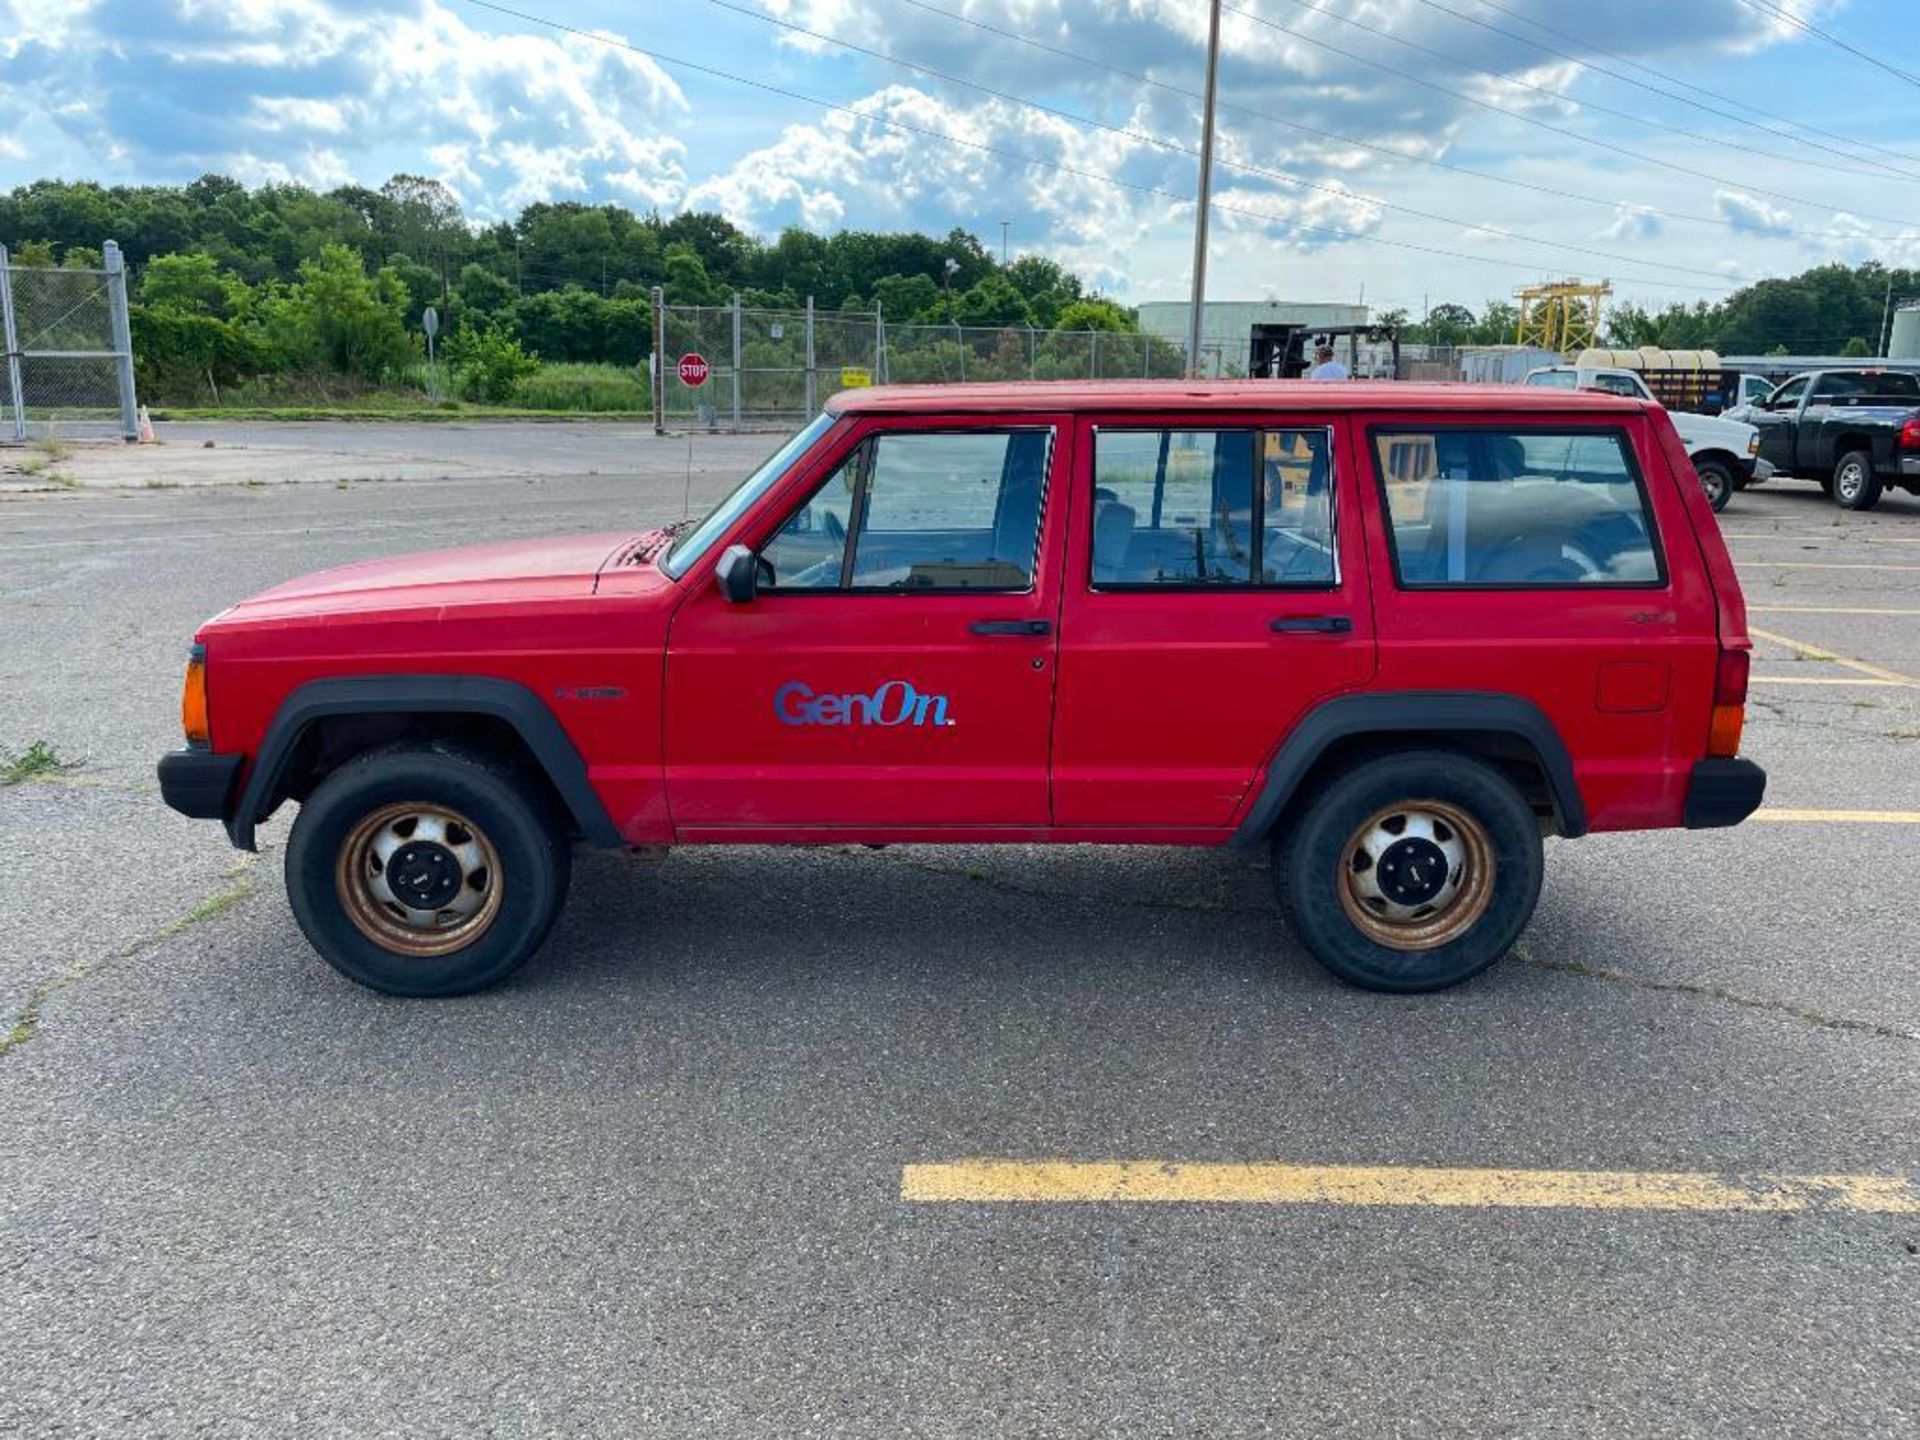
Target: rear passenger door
x=1553 y=561
x=1216 y=591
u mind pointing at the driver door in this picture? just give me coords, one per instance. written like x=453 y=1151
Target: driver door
x=894 y=670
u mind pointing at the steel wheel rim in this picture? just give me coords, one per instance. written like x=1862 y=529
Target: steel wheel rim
x=1852 y=479
x=1381 y=878
x=1714 y=484
x=426 y=854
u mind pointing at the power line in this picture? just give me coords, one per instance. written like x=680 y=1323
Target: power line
x=1555 y=129
x=1851 y=153
x=1097 y=177
x=1160 y=143
x=1725 y=99
x=1338 y=137
x=1774 y=12
x=1592 y=105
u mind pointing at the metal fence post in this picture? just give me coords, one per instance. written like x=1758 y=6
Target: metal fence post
x=116 y=268
x=736 y=359
x=1093 y=357
x=659 y=361
x=811 y=405
x=1033 y=353
x=879 y=345
x=16 y=392
x=960 y=339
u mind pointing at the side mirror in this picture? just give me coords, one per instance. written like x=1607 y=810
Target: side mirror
x=738 y=573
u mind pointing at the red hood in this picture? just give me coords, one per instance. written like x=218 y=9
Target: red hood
x=562 y=565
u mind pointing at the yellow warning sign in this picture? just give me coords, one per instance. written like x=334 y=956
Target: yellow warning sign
x=853 y=377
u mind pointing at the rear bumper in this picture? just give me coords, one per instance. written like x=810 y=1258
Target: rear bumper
x=197 y=782
x=1723 y=792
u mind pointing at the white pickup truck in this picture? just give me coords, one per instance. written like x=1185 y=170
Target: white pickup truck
x=1725 y=453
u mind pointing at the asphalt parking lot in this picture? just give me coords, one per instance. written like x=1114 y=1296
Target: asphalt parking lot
x=674 y=1178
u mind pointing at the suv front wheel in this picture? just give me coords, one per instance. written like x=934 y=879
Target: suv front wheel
x=1411 y=872
x=427 y=870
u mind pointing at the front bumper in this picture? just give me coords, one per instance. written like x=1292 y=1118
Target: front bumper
x=197 y=782
x=1723 y=792
x=1760 y=472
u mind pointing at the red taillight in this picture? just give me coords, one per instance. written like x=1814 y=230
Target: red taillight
x=1729 y=703
x=1730 y=678
x=1910 y=434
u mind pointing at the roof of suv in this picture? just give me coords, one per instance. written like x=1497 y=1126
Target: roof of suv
x=1217 y=395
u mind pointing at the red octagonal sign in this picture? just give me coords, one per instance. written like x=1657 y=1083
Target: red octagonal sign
x=694 y=368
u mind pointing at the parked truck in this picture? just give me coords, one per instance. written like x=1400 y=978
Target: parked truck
x=1724 y=451
x=1855 y=431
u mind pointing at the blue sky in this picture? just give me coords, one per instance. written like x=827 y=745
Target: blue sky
x=1332 y=174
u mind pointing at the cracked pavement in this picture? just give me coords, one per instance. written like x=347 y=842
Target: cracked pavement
x=652 y=1185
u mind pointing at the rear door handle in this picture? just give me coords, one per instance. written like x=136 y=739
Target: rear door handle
x=1012 y=627
x=1313 y=624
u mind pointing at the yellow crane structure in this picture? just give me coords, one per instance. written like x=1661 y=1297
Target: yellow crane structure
x=1562 y=315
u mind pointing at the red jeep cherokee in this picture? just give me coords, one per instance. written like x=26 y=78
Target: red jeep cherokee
x=1397 y=632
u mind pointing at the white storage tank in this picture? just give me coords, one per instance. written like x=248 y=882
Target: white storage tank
x=1903 y=343
x=1647 y=357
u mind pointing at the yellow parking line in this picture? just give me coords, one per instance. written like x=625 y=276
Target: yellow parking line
x=1814 y=652
x=1837 y=817
x=1825 y=565
x=1817 y=680
x=1067 y=1182
x=1824 y=610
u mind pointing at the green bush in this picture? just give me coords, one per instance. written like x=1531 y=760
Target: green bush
x=488 y=363
x=596 y=389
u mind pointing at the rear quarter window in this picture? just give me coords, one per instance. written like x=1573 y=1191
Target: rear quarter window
x=1515 y=508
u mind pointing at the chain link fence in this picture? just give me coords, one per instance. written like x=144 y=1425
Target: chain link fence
x=69 y=351
x=768 y=368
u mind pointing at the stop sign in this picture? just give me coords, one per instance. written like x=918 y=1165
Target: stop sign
x=693 y=368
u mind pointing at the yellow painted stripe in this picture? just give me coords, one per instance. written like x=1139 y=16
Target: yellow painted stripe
x=1814 y=652
x=1825 y=565
x=1824 y=610
x=1067 y=1182
x=1816 y=680
x=1837 y=817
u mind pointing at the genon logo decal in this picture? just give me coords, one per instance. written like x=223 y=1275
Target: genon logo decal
x=894 y=703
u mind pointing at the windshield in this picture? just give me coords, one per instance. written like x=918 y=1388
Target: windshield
x=697 y=541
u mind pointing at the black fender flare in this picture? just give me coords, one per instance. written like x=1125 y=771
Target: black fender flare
x=505 y=700
x=1407 y=712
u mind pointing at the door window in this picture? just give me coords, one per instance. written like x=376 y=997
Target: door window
x=1212 y=508
x=1502 y=509
x=920 y=510
x=1788 y=395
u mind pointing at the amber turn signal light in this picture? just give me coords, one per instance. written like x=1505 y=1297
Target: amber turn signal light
x=1729 y=703
x=193 y=700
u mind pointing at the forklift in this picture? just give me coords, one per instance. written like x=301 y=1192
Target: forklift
x=1285 y=352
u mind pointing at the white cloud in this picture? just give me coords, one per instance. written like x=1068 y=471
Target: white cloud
x=1751 y=214
x=1632 y=222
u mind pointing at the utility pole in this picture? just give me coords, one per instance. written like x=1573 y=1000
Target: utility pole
x=1206 y=185
x=1004 y=226
x=1886 y=317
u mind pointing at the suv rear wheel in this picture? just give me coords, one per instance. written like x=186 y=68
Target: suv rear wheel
x=1411 y=872
x=426 y=871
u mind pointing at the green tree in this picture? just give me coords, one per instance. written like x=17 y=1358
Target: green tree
x=1856 y=348
x=340 y=318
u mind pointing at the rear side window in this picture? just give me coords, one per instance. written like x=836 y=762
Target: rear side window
x=1212 y=508
x=1852 y=384
x=1501 y=509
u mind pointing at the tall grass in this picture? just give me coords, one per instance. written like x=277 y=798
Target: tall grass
x=580 y=388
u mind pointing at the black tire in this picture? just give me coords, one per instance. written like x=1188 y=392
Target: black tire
x=1717 y=480
x=513 y=824
x=1854 y=486
x=1313 y=860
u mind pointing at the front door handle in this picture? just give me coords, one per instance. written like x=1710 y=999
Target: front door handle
x=1012 y=627
x=1312 y=624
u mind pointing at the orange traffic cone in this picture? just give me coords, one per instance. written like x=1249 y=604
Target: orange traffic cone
x=146 y=428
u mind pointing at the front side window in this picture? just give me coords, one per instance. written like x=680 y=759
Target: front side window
x=1508 y=508
x=919 y=510
x=1788 y=395
x=1212 y=508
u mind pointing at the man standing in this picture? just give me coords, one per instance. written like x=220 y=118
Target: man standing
x=1325 y=367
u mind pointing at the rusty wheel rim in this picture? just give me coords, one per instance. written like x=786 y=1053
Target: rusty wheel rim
x=1416 y=875
x=419 y=879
